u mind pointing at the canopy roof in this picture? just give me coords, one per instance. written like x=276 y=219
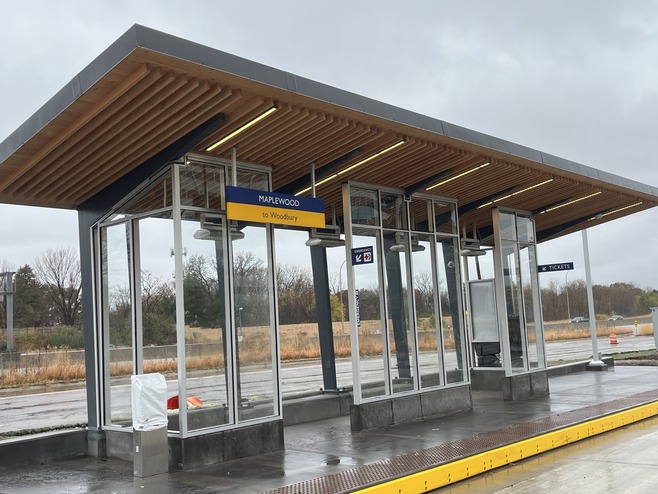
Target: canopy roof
x=148 y=90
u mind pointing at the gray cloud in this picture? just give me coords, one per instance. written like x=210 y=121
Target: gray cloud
x=574 y=79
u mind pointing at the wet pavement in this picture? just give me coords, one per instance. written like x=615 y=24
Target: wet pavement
x=319 y=456
x=621 y=461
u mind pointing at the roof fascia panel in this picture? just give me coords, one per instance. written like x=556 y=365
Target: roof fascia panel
x=168 y=45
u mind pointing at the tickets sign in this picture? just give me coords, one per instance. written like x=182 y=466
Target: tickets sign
x=270 y=207
x=548 y=268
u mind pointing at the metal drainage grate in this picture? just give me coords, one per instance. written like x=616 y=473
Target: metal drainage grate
x=409 y=463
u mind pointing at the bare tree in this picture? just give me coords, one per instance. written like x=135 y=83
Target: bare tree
x=58 y=272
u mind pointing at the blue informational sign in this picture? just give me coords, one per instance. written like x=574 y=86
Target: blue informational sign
x=549 y=268
x=362 y=255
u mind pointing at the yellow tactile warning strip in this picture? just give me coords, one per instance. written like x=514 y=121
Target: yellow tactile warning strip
x=447 y=463
x=443 y=475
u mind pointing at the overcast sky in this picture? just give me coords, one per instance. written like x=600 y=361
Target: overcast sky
x=575 y=79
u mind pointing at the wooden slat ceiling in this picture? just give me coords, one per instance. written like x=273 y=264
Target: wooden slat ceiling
x=150 y=100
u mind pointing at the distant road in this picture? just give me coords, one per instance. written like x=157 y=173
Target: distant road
x=62 y=406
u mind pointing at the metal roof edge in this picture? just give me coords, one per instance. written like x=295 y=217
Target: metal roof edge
x=170 y=45
x=264 y=74
x=596 y=174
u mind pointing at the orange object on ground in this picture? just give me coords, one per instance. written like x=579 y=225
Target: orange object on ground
x=613 y=338
x=173 y=402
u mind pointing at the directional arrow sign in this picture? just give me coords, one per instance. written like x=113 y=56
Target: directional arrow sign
x=549 y=268
x=362 y=255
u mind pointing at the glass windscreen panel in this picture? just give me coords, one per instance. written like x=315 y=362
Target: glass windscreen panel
x=202 y=186
x=253 y=179
x=393 y=211
x=117 y=324
x=371 y=332
x=254 y=330
x=365 y=206
x=445 y=217
x=513 y=304
x=157 y=195
x=207 y=338
x=420 y=214
x=447 y=268
x=428 y=317
x=400 y=339
x=532 y=306
x=157 y=299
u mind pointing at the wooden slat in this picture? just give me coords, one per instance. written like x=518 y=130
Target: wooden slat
x=114 y=134
x=103 y=135
x=126 y=86
x=252 y=109
x=161 y=135
x=277 y=126
x=286 y=150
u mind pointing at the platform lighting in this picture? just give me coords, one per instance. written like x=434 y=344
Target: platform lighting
x=569 y=203
x=463 y=174
x=239 y=130
x=516 y=193
x=352 y=167
x=212 y=230
x=599 y=216
x=325 y=239
x=399 y=245
x=470 y=247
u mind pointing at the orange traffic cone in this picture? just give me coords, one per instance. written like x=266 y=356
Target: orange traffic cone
x=613 y=338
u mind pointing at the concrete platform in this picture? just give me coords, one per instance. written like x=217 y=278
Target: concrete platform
x=325 y=456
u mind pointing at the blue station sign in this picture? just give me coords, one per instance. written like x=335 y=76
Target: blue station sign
x=549 y=268
x=362 y=255
x=270 y=207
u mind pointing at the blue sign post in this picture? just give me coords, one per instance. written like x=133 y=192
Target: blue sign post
x=549 y=268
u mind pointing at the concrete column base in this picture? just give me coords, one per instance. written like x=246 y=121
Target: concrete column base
x=222 y=446
x=487 y=378
x=524 y=386
x=410 y=408
x=96 y=444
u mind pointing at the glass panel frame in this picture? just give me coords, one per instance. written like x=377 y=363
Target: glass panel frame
x=204 y=206
x=370 y=343
x=118 y=321
x=416 y=370
x=518 y=292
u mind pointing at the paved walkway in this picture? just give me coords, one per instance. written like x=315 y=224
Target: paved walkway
x=325 y=456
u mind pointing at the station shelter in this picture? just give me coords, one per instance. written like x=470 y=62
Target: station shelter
x=170 y=151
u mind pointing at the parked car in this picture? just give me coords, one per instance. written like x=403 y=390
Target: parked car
x=580 y=319
x=616 y=317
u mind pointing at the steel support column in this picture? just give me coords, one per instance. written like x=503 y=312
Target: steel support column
x=323 y=308
x=397 y=307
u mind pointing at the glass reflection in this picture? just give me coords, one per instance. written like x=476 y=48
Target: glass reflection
x=118 y=320
x=511 y=282
x=254 y=324
x=532 y=306
x=428 y=319
x=371 y=337
x=447 y=268
x=204 y=293
x=157 y=299
x=400 y=339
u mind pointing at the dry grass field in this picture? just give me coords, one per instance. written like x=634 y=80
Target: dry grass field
x=298 y=342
